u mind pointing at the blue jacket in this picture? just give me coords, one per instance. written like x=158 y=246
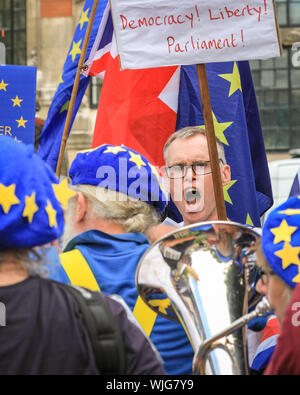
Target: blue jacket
x=113 y=260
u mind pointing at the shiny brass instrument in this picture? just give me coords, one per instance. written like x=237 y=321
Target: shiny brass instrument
x=207 y=273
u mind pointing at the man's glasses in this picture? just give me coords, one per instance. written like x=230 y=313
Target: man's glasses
x=199 y=168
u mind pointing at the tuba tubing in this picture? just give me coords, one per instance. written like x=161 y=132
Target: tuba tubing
x=212 y=343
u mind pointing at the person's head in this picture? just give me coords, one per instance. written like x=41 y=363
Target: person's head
x=118 y=191
x=31 y=200
x=278 y=255
x=193 y=194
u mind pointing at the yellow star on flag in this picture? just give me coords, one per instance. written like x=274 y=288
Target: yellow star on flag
x=220 y=128
x=17 y=101
x=60 y=81
x=136 y=158
x=84 y=18
x=283 y=232
x=30 y=207
x=8 y=197
x=249 y=220
x=51 y=215
x=162 y=304
x=234 y=78
x=65 y=107
x=3 y=86
x=114 y=150
x=289 y=255
x=75 y=49
x=225 y=191
x=21 y=122
x=63 y=193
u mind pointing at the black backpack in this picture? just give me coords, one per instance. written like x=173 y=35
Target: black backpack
x=104 y=332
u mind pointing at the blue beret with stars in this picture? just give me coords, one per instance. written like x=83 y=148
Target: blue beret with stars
x=281 y=241
x=31 y=198
x=120 y=169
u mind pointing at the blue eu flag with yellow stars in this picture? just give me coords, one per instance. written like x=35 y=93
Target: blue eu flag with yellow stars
x=237 y=125
x=17 y=102
x=53 y=129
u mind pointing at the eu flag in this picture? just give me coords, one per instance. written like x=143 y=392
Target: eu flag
x=237 y=125
x=17 y=102
x=53 y=129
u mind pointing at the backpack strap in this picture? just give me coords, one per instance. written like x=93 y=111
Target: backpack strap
x=103 y=329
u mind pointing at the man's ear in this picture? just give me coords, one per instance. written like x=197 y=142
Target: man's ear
x=225 y=174
x=81 y=207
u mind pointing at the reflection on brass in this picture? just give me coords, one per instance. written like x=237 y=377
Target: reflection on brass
x=206 y=272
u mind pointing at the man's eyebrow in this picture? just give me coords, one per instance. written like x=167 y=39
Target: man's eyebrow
x=199 y=161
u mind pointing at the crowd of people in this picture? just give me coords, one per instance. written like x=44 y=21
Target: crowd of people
x=100 y=223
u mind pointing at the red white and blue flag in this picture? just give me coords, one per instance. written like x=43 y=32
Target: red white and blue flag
x=137 y=108
x=267 y=344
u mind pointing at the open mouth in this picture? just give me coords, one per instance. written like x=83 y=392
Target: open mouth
x=192 y=195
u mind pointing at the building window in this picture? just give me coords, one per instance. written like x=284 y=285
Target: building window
x=95 y=89
x=288 y=12
x=277 y=86
x=13 y=28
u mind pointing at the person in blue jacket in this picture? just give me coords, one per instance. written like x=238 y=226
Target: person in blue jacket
x=119 y=202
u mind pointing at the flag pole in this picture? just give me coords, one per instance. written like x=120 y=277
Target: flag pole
x=211 y=141
x=75 y=89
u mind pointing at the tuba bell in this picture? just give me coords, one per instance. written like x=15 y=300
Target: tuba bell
x=208 y=272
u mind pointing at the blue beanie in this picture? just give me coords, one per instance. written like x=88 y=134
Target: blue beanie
x=120 y=169
x=281 y=241
x=30 y=212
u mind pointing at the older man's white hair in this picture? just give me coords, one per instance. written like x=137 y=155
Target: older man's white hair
x=133 y=214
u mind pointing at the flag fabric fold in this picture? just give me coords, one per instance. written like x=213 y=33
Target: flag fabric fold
x=295 y=189
x=51 y=136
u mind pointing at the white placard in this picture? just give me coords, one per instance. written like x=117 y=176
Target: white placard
x=155 y=33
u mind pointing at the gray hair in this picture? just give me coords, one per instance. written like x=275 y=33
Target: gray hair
x=191 y=131
x=133 y=214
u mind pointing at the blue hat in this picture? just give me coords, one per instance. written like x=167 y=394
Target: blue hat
x=31 y=199
x=281 y=241
x=120 y=169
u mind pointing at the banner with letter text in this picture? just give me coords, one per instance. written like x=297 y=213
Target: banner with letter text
x=17 y=102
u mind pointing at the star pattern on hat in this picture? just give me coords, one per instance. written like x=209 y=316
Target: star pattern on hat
x=30 y=207
x=137 y=159
x=155 y=172
x=290 y=255
x=63 y=193
x=290 y=211
x=114 y=150
x=283 y=232
x=8 y=197
x=51 y=215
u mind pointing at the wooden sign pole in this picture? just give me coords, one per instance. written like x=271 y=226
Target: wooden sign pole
x=211 y=141
x=75 y=89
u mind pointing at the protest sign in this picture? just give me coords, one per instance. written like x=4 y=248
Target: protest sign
x=163 y=33
x=17 y=102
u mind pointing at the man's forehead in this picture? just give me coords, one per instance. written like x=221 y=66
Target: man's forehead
x=189 y=149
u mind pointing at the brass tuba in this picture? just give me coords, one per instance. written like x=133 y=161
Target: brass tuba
x=207 y=273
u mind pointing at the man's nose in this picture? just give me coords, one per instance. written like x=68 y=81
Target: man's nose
x=261 y=287
x=189 y=172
